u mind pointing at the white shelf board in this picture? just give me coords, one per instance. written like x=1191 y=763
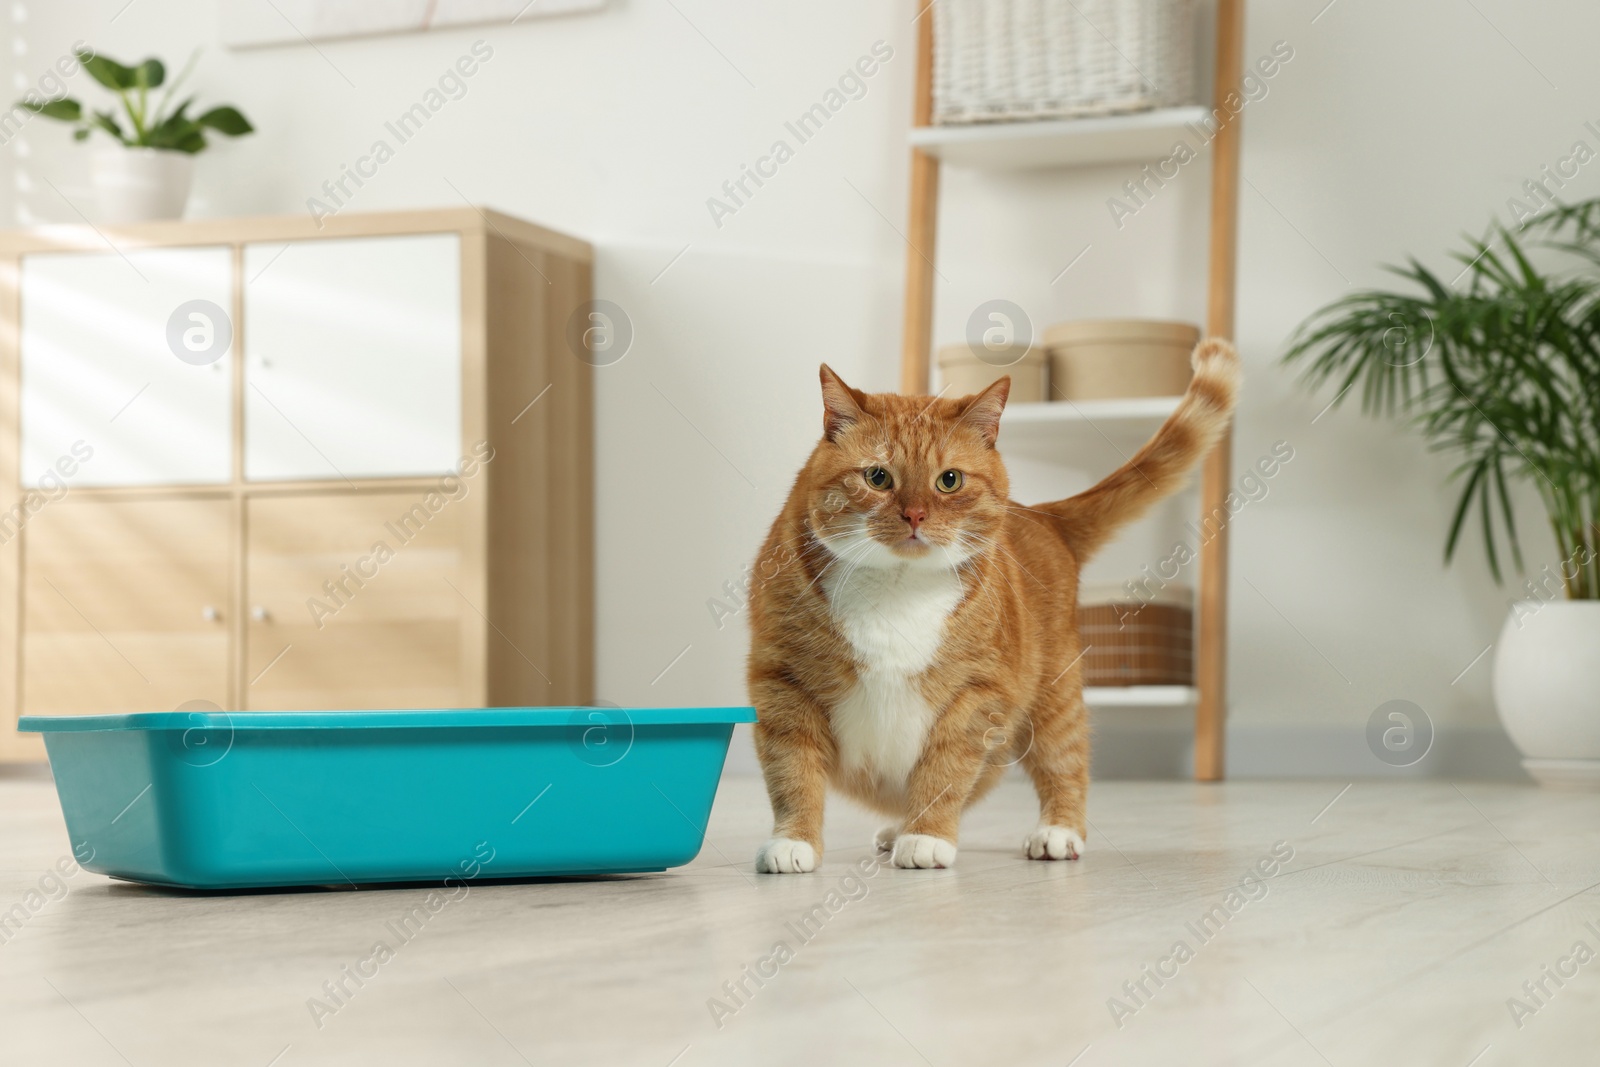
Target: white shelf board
x=1103 y=432
x=1140 y=137
x=1140 y=696
x=1070 y=413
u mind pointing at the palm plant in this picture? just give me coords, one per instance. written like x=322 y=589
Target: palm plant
x=1499 y=368
x=161 y=126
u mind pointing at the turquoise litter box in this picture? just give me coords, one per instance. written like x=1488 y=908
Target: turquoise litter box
x=212 y=800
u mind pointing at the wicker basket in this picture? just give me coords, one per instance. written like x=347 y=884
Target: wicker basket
x=1004 y=60
x=1127 y=643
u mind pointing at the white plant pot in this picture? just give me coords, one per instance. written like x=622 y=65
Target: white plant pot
x=1547 y=689
x=140 y=184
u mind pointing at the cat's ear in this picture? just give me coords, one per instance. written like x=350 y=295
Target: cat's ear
x=982 y=412
x=840 y=408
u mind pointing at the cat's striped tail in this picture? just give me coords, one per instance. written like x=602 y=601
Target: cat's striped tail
x=1090 y=519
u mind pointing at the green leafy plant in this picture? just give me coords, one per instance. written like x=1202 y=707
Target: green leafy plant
x=1499 y=367
x=163 y=126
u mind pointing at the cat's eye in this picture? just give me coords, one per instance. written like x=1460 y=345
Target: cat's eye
x=877 y=477
x=949 y=481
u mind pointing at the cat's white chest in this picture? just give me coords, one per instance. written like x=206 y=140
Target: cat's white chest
x=894 y=620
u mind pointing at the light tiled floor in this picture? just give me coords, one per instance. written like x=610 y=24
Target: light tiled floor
x=1407 y=917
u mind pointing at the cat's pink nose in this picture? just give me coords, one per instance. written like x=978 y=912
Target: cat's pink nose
x=915 y=516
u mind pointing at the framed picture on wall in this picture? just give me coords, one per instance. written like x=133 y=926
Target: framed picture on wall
x=260 y=23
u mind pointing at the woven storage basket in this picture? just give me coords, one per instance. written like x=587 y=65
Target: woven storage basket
x=1003 y=60
x=1132 y=644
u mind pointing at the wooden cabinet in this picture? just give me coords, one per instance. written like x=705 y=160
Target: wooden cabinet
x=269 y=465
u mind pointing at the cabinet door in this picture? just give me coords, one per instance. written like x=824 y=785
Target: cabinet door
x=353 y=602
x=99 y=366
x=125 y=605
x=352 y=357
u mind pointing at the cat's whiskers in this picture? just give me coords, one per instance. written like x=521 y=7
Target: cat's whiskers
x=855 y=565
x=983 y=585
x=817 y=537
x=999 y=547
x=844 y=525
x=982 y=580
x=1034 y=514
x=995 y=543
x=834 y=558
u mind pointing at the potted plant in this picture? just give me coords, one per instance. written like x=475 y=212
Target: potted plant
x=146 y=175
x=1501 y=369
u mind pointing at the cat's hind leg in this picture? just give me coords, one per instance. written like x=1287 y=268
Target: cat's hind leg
x=1058 y=763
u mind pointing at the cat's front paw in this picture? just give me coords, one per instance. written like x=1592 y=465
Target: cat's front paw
x=922 y=851
x=883 y=840
x=1053 y=843
x=785 y=855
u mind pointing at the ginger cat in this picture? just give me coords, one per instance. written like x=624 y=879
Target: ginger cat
x=914 y=630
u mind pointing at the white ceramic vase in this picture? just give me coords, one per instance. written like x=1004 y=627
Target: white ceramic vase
x=1547 y=689
x=140 y=184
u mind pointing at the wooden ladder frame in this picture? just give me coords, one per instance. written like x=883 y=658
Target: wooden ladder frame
x=1211 y=619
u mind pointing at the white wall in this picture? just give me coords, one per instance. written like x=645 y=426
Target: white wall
x=1392 y=129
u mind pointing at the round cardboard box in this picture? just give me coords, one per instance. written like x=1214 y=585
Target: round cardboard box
x=1102 y=359
x=962 y=373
